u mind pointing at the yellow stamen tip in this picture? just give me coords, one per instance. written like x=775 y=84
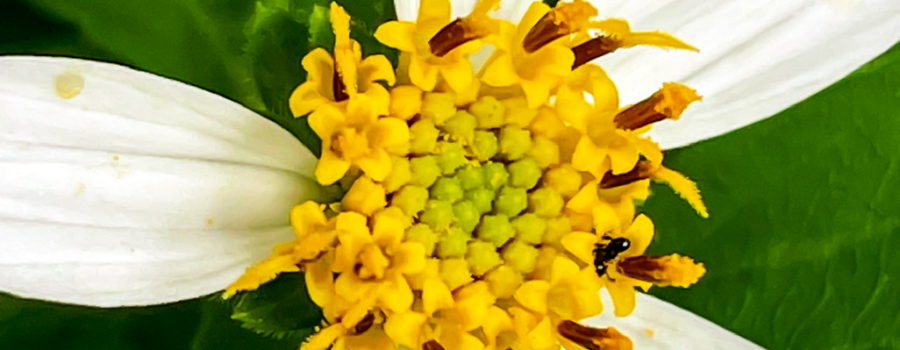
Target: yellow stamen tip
x=675 y=99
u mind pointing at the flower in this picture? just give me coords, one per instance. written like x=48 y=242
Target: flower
x=80 y=87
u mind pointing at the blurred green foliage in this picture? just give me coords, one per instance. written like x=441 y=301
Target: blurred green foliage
x=801 y=245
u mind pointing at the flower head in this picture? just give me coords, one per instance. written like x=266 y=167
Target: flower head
x=487 y=223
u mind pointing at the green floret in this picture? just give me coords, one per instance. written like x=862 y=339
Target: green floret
x=447 y=189
x=424 y=171
x=438 y=106
x=545 y=202
x=495 y=175
x=544 y=151
x=489 y=112
x=514 y=142
x=485 y=146
x=482 y=257
x=423 y=234
x=511 y=201
x=454 y=244
x=524 y=173
x=451 y=157
x=467 y=215
x=438 y=214
x=529 y=228
x=423 y=137
x=411 y=199
x=469 y=177
x=520 y=256
x=482 y=198
x=556 y=228
x=495 y=229
x=461 y=126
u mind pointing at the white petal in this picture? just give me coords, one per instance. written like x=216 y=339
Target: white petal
x=756 y=57
x=656 y=324
x=407 y=10
x=135 y=189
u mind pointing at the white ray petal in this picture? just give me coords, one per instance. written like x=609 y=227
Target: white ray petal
x=119 y=187
x=656 y=324
x=757 y=57
x=512 y=10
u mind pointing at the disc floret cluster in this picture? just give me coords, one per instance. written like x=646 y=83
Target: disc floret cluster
x=483 y=207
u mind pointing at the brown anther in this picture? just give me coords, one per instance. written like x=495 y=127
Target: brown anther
x=547 y=29
x=668 y=102
x=594 y=338
x=641 y=171
x=458 y=32
x=364 y=324
x=432 y=345
x=594 y=48
x=337 y=86
x=669 y=270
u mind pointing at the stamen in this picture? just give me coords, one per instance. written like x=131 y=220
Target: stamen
x=432 y=345
x=458 y=32
x=594 y=338
x=364 y=324
x=670 y=270
x=642 y=171
x=594 y=48
x=563 y=20
x=669 y=102
x=337 y=86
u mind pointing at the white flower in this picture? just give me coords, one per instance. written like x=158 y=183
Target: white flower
x=122 y=188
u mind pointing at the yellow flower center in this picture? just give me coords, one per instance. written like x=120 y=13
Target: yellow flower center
x=563 y=20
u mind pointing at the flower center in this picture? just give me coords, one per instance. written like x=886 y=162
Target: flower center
x=432 y=345
x=337 y=86
x=451 y=36
x=641 y=171
x=670 y=270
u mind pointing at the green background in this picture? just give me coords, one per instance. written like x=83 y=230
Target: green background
x=801 y=245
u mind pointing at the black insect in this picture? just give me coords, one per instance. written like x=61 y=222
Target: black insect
x=603 y=253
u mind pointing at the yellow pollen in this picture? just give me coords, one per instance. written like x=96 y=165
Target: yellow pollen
x=670 y=270
x=666 y=103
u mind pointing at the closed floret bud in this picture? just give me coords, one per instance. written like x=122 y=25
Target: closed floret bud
x=450 y=157
x=453 y=244
x=496 y=229
x=423 y=234
x=529 y=228
x=365 y=196
x=410 y=199
x=424 y=171
x=489 y=112
x=495 y=175
x=461 y=126
x=399 y=175
x=467 y=215
x=503 y=281
x=438 y=106
x=544 y=151
x=455 y=272
x=518 y=113
x=406 y=101
x=447 y=189
x=423 y=137
x=556 y=228
x=564 y=179
x=482 y=257
x=520 y=256
x=469 y=177
x=514 y=142
x=482 y=198
x=511 y=201
x=485 y=145
x=545 y=202
x=437 y=214
x=524 y=173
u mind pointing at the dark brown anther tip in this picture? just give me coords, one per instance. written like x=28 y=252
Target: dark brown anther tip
x=594 y=48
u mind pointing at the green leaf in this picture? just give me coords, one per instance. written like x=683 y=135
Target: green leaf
x=29 y=324
x=217 y=331
x=802 y=241
x=280 y=308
